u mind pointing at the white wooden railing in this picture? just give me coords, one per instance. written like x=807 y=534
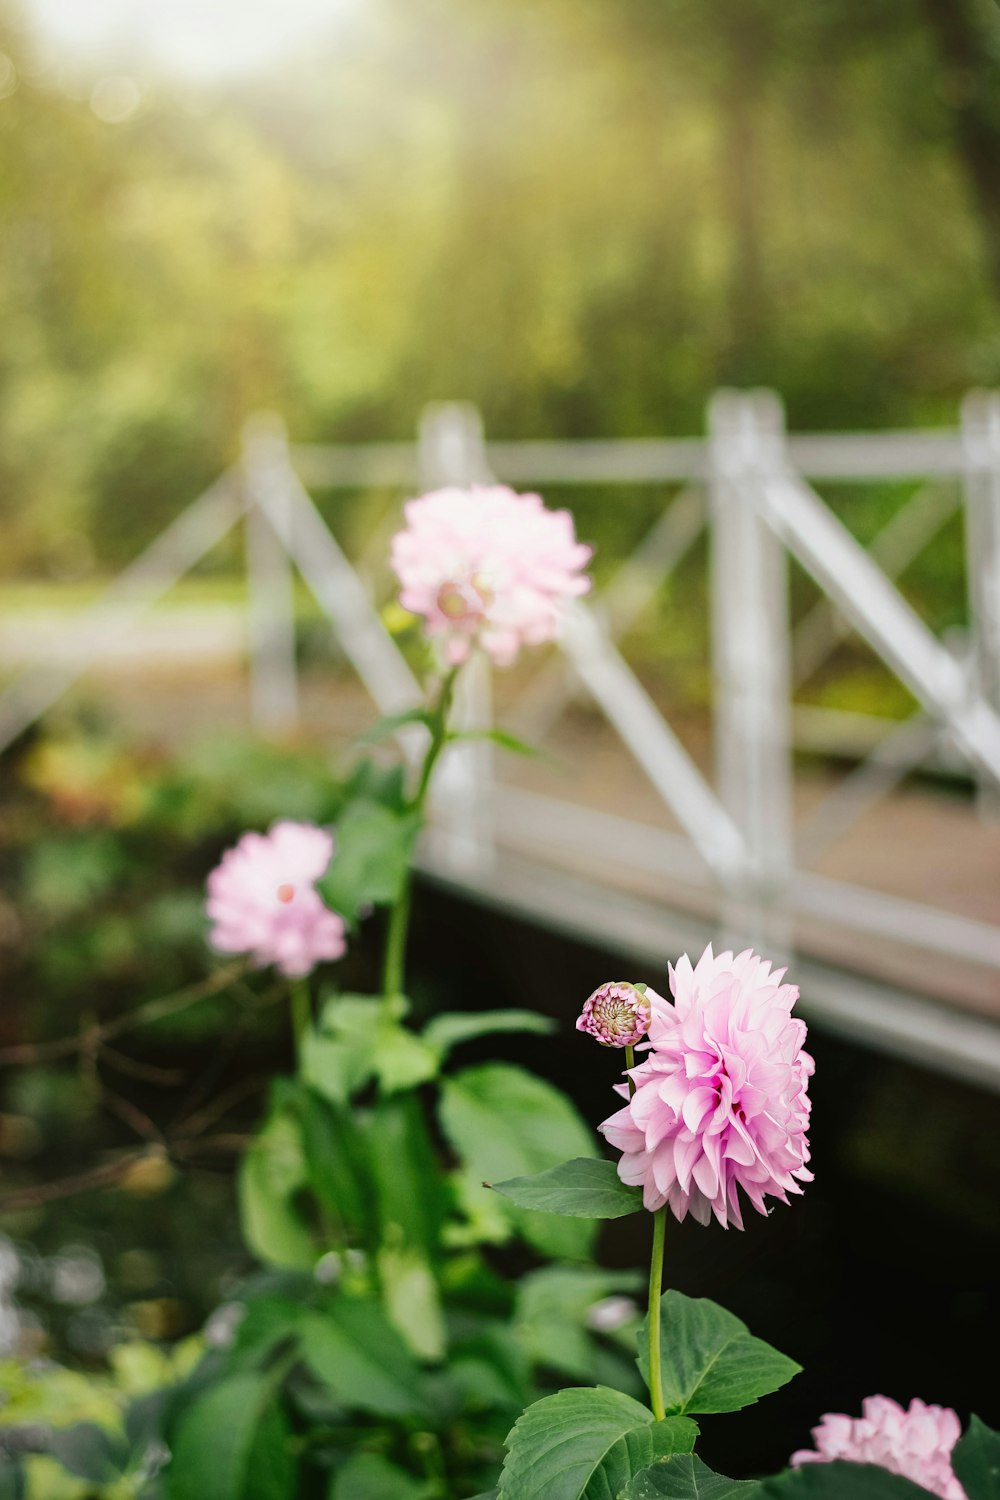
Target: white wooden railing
x=752 y=485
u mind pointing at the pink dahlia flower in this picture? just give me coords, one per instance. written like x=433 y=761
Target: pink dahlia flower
x=485 y=566
x=262 y=899
x=916 y=1444
x=720 y=1100
x=618 y=1014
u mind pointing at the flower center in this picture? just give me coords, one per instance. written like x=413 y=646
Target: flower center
x=483 y=585
x=458 y=600
x=285 y=893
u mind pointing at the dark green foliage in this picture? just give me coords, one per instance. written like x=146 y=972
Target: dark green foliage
x=976 y=1461
x=685 y=1477
x=711 y=1361
x=840 y=1481
x=585 y=1445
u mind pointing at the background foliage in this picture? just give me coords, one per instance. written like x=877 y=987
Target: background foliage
x=629 y=205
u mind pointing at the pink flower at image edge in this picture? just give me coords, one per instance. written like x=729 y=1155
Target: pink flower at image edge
x=721 y=1102
x=915 y=1443
x=486 y=566
x=262 y=899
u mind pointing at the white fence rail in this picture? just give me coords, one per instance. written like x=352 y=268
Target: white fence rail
x=751 y=484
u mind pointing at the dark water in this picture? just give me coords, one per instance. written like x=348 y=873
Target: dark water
x=883 y=1278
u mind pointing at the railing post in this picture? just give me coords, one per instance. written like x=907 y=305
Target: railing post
x=274 y=696
x=452 y=452
x=751 y=656
x=981 y=442
x=450 y=446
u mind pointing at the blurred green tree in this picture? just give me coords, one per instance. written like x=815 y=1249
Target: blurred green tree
x=582 y=217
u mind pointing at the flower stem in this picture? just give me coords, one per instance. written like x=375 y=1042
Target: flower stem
x=301 y=1009
x=438 y=720
x=394 y=962
x=629 y=1065
x=653 y=1320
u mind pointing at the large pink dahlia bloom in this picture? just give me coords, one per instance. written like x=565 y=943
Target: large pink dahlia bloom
x=489 y=567
x=262 y=899
x=916 y=1443
x=720 y=1100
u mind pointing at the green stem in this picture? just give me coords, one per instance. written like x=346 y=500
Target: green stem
x=653 y=1320
x=439 y=736
x=301 y=1008
x=629 y=1065
x=394 y=962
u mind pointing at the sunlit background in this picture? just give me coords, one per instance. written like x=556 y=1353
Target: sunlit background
x=584 y=217
x=185 y=39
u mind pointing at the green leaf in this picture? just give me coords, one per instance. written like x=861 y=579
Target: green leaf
x=447 y=1031
x=685 y=1477
x=389 y=723
x=976 y=1461
x=412 y=1300
x=337 y=1066
x=369 y=1476
x=271 y=1173
x=338 y=1055
x=211 y=1452
x=500 y=737
x=90 y=1452
x=359 y=1038
x=840 y=1481
x=403 y=1060
x=372 y=781
x=336 y=1160
x=13 y=1485
x=266 y=1323
x=357 y=1354
x=551 y=1311
x=491 y=1370
x=585 y=1444
x=272 y=1470
x=502 y=1122
x=411 y=1194
x=711 y=1362
x=373 y=852
x=581 y=1189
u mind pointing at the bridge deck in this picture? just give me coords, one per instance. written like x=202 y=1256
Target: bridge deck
x=587 y=846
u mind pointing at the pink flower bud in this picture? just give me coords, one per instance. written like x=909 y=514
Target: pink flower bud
x=617 y=1014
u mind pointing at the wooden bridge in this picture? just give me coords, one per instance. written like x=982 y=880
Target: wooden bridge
x=646 y=835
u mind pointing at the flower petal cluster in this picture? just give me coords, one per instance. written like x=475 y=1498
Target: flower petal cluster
x=720 y=1100
x=915 y=1443
x=618 y=1014
x=485 y=566
x=262 y=899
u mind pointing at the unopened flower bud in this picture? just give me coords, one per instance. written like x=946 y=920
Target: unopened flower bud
x=617 y=1014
